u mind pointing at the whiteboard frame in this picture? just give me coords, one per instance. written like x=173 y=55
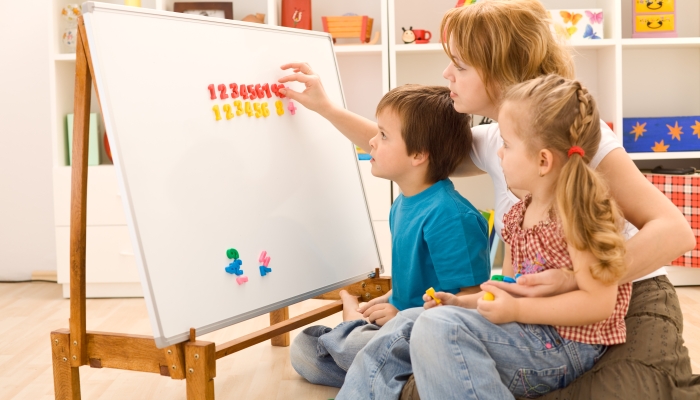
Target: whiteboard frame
x=161 y=341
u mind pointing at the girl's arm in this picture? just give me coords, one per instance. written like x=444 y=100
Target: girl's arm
x=664 y=233
x=356 y=128
x=592 y=302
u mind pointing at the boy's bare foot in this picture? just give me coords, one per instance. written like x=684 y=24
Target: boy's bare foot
x=350 y=304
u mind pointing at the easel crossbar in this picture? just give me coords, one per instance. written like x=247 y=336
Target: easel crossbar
x=262 y=335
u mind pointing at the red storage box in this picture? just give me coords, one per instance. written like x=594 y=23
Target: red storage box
x=684 y=192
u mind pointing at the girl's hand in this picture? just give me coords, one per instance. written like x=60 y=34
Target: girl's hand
x=503 y=309
x=380 y=314
x=447 y=299
x=547 y=283
x=377 y=300
x=314 y=96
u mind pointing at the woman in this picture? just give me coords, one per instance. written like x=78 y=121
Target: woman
x=492 y=45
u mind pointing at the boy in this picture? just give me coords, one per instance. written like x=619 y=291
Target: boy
x=439 y=239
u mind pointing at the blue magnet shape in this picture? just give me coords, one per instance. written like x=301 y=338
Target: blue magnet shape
x=508 y=279
x=234 y=267
x=518 y=276
x=264 y=270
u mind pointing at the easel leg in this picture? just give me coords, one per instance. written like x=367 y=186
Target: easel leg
x=200 y=365
x=275 y=317
x=66 y=379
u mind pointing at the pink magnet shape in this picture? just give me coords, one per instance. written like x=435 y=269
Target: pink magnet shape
x=242 y=279
x=548 y=345
x=291 y=107
x=262 y=256
x=266 y=262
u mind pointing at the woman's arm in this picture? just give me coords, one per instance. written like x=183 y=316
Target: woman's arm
x=664 y=233
x=593 y=301
x=356 y=128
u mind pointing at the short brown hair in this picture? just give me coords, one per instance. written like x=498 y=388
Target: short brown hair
x=430 y=124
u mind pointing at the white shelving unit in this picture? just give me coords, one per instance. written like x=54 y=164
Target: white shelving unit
x=628 y=77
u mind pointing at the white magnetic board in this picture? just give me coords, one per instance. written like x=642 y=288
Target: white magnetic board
x=195 y=187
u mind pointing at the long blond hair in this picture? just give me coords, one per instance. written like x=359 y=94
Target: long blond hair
x=558 y=114
x=507 y=41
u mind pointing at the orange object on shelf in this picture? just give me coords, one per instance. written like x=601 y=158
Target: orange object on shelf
x=356 y=26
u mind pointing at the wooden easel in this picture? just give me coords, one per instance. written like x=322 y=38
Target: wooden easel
x=194 y=360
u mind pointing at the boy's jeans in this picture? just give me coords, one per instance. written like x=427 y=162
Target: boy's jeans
x=323 y=355
x=458 y=354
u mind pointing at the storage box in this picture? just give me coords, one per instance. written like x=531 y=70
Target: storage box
x=654 y=18
x=684 y=192
x=93 y=144
x=662 y=134
x=577 y=25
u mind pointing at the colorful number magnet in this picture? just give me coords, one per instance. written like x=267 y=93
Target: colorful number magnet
x=431 y=292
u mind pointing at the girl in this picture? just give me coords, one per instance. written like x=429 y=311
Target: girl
x=550 y=128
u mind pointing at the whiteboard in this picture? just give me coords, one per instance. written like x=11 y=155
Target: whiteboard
x=195 y=187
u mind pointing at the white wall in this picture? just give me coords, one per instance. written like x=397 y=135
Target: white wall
x=26 y=188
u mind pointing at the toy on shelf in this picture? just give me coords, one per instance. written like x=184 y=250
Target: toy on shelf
x=350 y=26
x=577 y=25
x=70 y=14
x=661 y=134
x=296 y=14
x=462 y=3
x=257 y=18
x=408 y=35
x=654 y=19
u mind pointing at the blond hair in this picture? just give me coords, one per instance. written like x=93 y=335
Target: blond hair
x=507 y=41
x=560 y=113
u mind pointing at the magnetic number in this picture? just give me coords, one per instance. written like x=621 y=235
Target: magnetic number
x=248 y=109
x=222 y=89
x=266 y=89
x=239 y=107
x=265 y=110
x=251 y=92
x=280 y=107
x=259 y=91
x=244 y=92
x=276 y=90
x=234 y=90
x=227 y=110
x=212 y=92
x=216 y=112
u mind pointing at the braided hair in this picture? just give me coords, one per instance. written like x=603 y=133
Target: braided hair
x=561 y=115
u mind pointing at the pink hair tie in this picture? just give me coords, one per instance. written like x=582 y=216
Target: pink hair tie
x=576 y=150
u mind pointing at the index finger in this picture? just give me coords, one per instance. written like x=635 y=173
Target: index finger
x=298 y=67
x=298 y=77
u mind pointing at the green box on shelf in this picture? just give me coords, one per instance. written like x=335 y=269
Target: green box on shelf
x=94 y=140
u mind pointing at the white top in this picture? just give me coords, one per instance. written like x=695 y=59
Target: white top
x=485 y=144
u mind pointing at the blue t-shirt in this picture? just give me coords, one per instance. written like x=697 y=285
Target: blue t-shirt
x=439 y=240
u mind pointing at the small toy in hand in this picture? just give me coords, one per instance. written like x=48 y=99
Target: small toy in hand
x=489 y=296
x=431 y=292
x=503 y=278
x=408 y=35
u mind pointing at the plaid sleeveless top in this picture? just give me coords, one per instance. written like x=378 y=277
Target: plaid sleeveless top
x=543 y=247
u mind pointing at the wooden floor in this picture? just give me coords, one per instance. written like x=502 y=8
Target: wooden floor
x=30 y=311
